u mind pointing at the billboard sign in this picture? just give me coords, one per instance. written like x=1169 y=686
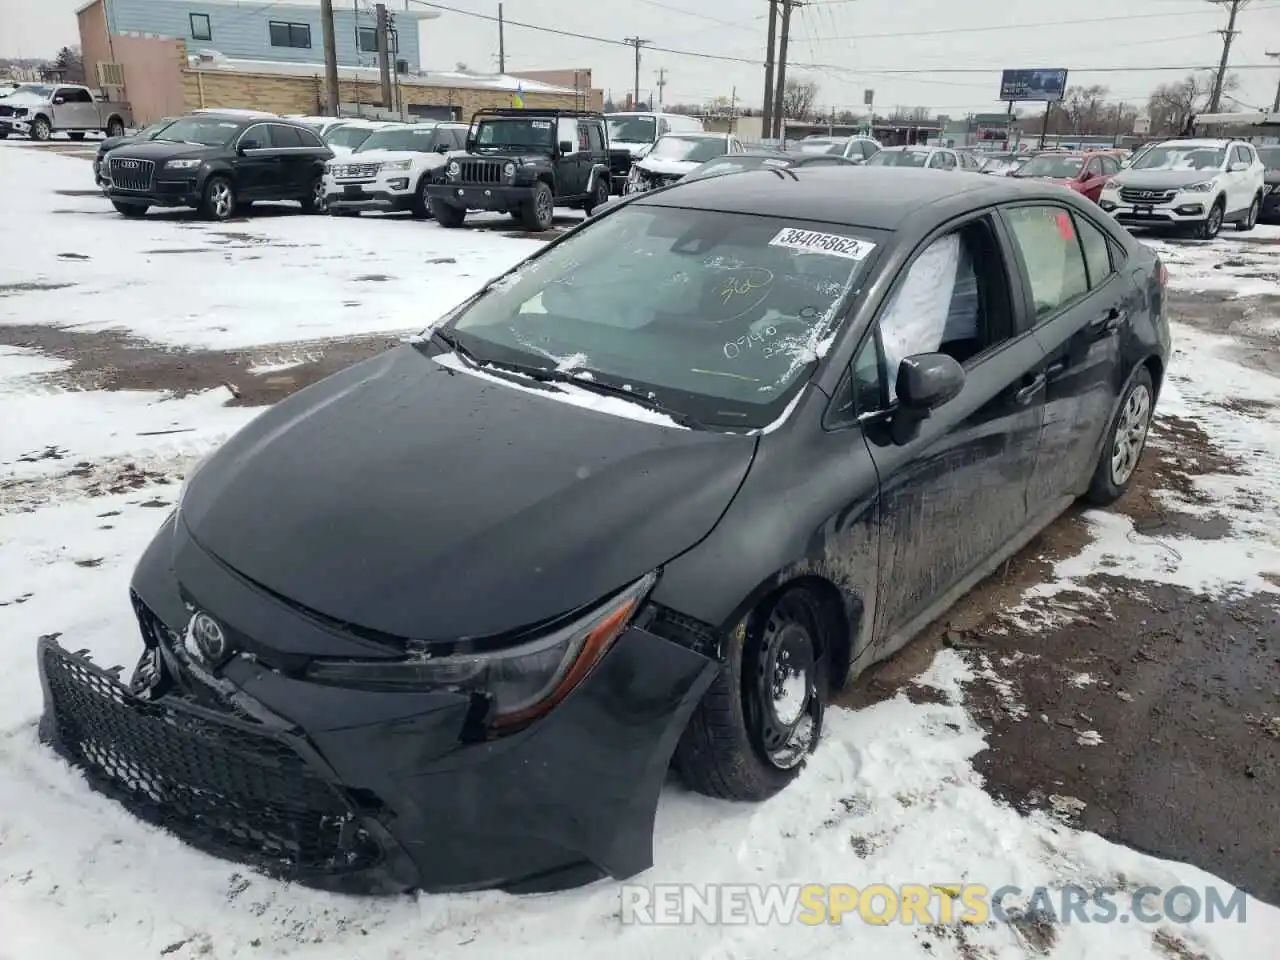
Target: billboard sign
x=868 y=97
x=1044 y=85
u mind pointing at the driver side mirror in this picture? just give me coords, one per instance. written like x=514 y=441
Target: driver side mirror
x=1238 y=167
x=247 y=145
x=442 y=148
x=566 y=146
x=926 y=381
x=58 y=101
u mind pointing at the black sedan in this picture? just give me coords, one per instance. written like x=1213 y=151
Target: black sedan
x=765 y=160
x=445 y=619
x=219 y=163
x=1270 y=157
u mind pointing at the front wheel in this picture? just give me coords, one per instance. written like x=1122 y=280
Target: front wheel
x=314 y=201
x=422 y=199
x=540 y=209
x=1211 y=226
x=41 y=130
x=1251 y=218
x=219 y=201
x=447 y=215
x=762 y=716
x=1126 y=439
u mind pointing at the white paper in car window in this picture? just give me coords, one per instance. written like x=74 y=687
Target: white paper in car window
x=541 y=124
x=917 y=314
x=774 y=163
x=831 y=244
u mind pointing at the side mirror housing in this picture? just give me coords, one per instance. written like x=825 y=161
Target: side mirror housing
x=1239 y=167
x=247 y=145
x=926 y=381
x=58 y=101
x=566 y=146
x=442 y=148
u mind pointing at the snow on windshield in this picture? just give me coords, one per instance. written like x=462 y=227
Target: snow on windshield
x=1182 y=158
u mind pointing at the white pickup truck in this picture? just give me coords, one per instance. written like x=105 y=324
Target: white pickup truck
x=40 y=110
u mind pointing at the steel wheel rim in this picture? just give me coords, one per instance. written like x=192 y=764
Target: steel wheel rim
x=221 y=196
x=1215 y=220
x=1253 y=213
x=1131 y=434
x=544 y=207
x=317 y=193
x=783 y=691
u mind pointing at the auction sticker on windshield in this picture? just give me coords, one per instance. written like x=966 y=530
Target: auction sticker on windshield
x=829 y=243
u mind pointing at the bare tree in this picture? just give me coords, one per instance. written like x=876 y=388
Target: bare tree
x=1172 y=105
x=798 y=98
x=70 y=60
x=1083 y=107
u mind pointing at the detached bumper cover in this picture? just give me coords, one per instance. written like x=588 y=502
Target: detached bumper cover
x=14 y=125
x=365 y=792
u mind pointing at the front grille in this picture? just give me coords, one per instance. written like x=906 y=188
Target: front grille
x=356 y=170
x=222 y=785
x=1136 y=195
x=130 y=174
x=480 y=171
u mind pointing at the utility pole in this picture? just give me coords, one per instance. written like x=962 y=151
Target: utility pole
x=1275 y=107
x=502 y=44
x=780 y=90
x=1228 y=35
x=330 y=58
x=635 y=93
x=384 y=58
x=662 y=82
x=733 y=109
x=766 y=115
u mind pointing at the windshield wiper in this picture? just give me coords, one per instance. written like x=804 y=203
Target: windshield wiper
x=545 y=375
x=451 y=341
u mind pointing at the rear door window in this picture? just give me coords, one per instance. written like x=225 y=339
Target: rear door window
x=1046 y=237
x=282 y=137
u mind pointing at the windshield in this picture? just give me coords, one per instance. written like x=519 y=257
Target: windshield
x=715 y=315
x=1062 y=168
x=349 y=136
x=1181 y=158
x=822 y=146
x=899 y=158
x=1270 y=157
x=153 y=132
x=632 y=129
x=514 y=132
x=207 y=130
x=42 y=90
x=417 y=139
x=735 y=164
x=692 y=149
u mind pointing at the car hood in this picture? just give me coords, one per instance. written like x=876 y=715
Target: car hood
x=668 y=168
x=422 y=501
x=168 y=149
x=21 y=98
x=636 y=148
x=391 y=156
x=1161 y=179
x=110 y=143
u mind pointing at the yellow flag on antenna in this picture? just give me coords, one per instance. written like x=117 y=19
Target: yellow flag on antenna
x=517 y=98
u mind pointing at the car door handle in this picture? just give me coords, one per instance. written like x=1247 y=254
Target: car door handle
x=1055 y=370
x=1108 y=323
x=1028 y=392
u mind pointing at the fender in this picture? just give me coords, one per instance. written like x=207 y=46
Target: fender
x=597 y=171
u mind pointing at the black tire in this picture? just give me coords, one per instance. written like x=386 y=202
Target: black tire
x=343 y=213
x=76 y=135
x=1251 y=218
x=539 y=210
x=447 y=215
x=1129 y=427
x=314 y=202
x=115 y=127
x=130 y=210
x=1212 y=226
x=4 y=133
x=599 y=197
x=725 y=750
x=41 y=130
x=219 y=200
x=421 y=200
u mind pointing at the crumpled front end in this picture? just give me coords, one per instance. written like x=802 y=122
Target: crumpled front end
x=360 y=790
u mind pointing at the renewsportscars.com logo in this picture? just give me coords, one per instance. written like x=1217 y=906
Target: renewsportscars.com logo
x=814 y=904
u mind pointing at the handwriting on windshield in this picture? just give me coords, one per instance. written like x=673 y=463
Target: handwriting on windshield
x=756 y=278
x=733 y=349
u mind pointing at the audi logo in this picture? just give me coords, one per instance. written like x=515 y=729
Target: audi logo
x=129 y=164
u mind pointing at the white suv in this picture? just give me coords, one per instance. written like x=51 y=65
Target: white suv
x=392 y=169
x=1192 y=184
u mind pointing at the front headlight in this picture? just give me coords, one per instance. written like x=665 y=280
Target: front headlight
x=1110 y=187
x=521 y=682
x=1204 y=186
x=454 y=168
x=182 y=164
x=396 y=165
x=509 y=171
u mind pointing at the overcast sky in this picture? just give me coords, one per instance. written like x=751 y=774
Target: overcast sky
x=845 y=46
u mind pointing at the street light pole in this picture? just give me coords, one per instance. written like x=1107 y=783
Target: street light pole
x=1275 y=107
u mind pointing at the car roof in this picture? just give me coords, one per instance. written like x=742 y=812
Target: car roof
x=695 y=134
x=1194 y=144
x=883 y=199
x=238 y=112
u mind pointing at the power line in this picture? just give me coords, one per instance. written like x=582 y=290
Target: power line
x=754 y=62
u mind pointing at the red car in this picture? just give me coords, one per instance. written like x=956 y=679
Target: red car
x=1083 y=172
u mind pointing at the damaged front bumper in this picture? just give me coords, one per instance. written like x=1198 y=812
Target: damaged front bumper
x=377 y=792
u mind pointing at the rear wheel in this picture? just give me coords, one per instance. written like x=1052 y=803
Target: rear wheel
x=115 y=127
x=540 y=209
x=1126 y=439
x=599 y=197
x=762 y=716
x=447 y=215
x=314 y=202
x=1251 y=218
x=130 y=209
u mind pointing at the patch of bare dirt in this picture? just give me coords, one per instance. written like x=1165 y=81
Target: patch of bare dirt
x=1243 y=319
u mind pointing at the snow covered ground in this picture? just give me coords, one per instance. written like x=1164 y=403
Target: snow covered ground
x=890 y=797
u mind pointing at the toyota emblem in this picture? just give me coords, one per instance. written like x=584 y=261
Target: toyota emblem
x=208 y=638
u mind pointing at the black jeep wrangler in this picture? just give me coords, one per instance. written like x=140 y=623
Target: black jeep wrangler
x=526 y=162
